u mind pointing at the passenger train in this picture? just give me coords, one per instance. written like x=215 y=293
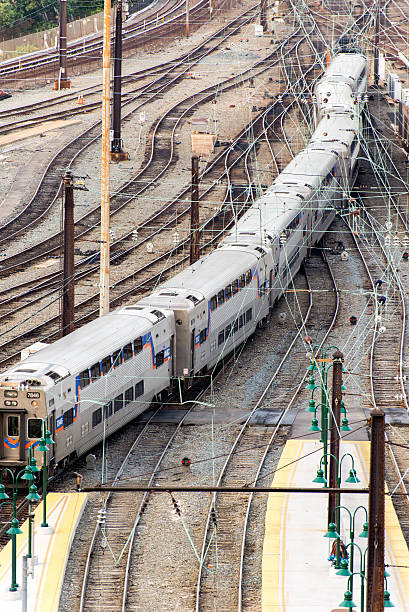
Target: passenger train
x=101 y=376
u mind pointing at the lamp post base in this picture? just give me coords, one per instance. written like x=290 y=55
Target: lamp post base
x=45 y=530
x=12 y=595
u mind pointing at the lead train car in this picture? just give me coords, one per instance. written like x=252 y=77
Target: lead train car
x=107 y=372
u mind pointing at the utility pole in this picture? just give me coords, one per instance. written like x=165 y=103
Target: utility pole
x=67 y=319
x=376 y=520
x=194 y=211
x=117 y=153
x=63 y=82
x=263 y=14
x=333 y=498
x=105 y=159
x=376 y=56
x=187 y=18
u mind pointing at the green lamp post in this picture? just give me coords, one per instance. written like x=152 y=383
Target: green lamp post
x=13 y=532
x=43 y=448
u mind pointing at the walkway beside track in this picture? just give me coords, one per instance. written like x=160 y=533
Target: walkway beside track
x=51 y=547
x=297 y=575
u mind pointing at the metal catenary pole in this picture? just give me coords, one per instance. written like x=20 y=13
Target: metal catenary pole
x=105 y=159
x=376 y=55
x=67 y=319
x=376 y=521
x=194 y=212
x=117 y=153
x=333 y=481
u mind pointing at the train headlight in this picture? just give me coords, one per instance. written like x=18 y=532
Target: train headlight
x=34 y=404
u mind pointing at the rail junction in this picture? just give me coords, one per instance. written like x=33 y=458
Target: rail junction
x=164 y=513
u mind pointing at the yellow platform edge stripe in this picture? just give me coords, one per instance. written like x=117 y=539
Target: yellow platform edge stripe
x=64 y=511
x=272 y=579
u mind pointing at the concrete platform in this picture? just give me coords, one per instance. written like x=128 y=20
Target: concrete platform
x=51 y=547
x=296 y=573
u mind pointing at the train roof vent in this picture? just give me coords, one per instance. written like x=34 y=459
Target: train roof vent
x=248 y=233
x=169 y=293
x=300 y=196
x=259 y=249
x=308 y=185
x=54 y=375
x=158 y=314
x=134 y=308
x=193 y=299
x=25 y=371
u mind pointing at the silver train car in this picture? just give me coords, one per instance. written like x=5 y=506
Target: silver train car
x=95 y=380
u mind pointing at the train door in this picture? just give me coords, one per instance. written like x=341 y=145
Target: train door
x=192 y=350
x=14 y=438
x=51 y=425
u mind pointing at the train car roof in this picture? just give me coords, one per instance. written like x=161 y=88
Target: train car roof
x=346 y=65
x=215 y=270
x=88 y=344
x=335 y=133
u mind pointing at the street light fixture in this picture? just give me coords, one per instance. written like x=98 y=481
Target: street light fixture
x=347 y=602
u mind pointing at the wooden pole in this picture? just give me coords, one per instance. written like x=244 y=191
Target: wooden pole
x=187 y=18
x=194 y=212
x=105 y=158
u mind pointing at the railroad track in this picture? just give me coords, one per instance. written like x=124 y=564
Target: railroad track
x=48 y=188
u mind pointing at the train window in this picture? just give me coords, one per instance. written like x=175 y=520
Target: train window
x=128 y=396
x=84 y=379
x=51 y=402
x=249 y=315
x=242 y=281
x=227 y=292
x=137 y=345
x=106 y=364
x=221 y=338
x=227 y=332
x=97 y=417
x=127 y=351
x=160 y=358
x=118 y=402
x=202 y=336
x=235 y=286
x=248 y=277
x=68 y=417
x=95 y=371
x=235 y=326
x=108 y=408
x=34 y=428
x=139 y=389
x=241 y=321
x=12 y=426
x=213 y=302
x=117 y=358
x=220 y=298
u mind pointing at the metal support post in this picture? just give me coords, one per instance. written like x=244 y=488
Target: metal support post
x=117 y=153
x=105 y=158
x=376 y=56
x=376 y=521
x=334 y=466
x=324 y=418
x=63 y=82
x=24 y=585
x=67 y=319
x=263 y=14
x=194 y=212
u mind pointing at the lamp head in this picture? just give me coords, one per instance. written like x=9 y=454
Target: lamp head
x=387 y=602
x=312 y=367
x=48 y=438
x=28 y=473
x=311 y=406
x=364 y=533
x=352 y=476
x=42 y=447
x=33 y=465
x=332 y=532
x=14 y=529
x=314 y=425
x=344 y=571
x=345 y=426
x=311 y=384
x=347 y=603
x=33 y=495
x=3 y=494
x=320 y=477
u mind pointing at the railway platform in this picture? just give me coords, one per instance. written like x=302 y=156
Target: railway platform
x=296 y=572
x=51 y=549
